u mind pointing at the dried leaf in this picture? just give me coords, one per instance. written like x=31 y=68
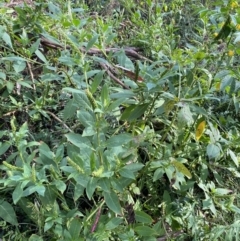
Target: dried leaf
x=200 y=129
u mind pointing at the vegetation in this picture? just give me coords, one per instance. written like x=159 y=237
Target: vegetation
x=119 y=120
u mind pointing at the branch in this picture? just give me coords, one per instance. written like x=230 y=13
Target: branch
x=107 y=68
x=59 y=120
x=130 y=51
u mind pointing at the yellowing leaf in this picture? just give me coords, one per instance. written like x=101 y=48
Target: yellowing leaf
x=168 y=106
x=181 y=168
x=217 y=86
x=200 y=129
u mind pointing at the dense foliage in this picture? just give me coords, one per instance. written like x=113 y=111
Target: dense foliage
x=119 y=120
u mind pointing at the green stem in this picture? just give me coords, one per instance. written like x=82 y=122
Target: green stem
x=170 y=126
x=90 y=216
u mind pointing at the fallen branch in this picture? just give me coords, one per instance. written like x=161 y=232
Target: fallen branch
x=173 y=235
x=32 y=77
x=59 y=120
x=113 y=77
x=129 y=51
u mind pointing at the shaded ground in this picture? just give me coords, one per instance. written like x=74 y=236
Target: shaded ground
x=14 y=3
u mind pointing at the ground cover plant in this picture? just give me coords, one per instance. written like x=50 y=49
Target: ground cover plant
x=119 y=120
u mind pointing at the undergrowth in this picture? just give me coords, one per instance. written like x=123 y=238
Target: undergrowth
x=119 y=120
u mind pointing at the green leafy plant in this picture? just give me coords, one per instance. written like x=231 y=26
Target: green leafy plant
x=120 y=124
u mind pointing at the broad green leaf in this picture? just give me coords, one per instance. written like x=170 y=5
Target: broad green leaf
x=235 y=209
x=198 y=110
x=17 y=193
x=7 y=213
x=46 y=155
x=92 y=42
x=82 y=100
x=134 y=167
x=91 y=73
x=41 y=56
x=86 y=118
x=75 y=228
x=158 y=174
x=213 y=151
x=13 y=58
x=124 y=94
x=78 y=140
x=105 y=95
x=222 y=191
x=237 y=39
x=185 y=116
x=119 y=140
x=133 y=112
x=124 y=172
x=89 y=131
x=60 y=185
x=166 y=197
x=7 y=39
x=10 y=86
x=4 y=147
x=121 y=57
x=104 y=183
x=209 y=204
x=145 y=231
x=116 y=104
x=48 y=225
x=19 y=66
x=233 y=157
x=51 y=77
x=49 y=197
x=225 y=31
x=182 y=168
x=25 y=83
x=23 y=129
x=142 y=217
x=40 y=189
x=66 y=60
x=72 y=90
x=69 y=110
x=214 y=134
x=78 y=191
x=112 y=201
x=113 y=223
x=35 y=46
x=96 y=81
x=35 y=237
x=199 y=55
x=29 y=209
x=218 y=178
x=2 y=75
x=91 y=186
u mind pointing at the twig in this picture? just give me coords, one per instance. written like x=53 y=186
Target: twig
x=174 y=235
x=59 y=120
x=51 y=44
x=130 y=51
x=31 y=74
x=9 y=113
x=113 y=77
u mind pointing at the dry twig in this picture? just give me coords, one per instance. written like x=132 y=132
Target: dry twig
x=107 y=68
x=31 y=74
x=59 y=120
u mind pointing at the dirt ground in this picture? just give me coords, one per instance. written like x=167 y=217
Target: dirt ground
x=14 y=3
